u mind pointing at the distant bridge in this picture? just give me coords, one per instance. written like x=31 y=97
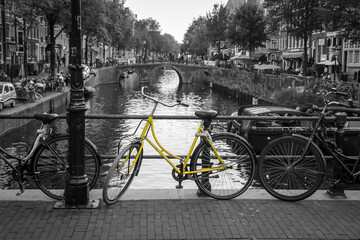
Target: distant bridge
x=186 y=72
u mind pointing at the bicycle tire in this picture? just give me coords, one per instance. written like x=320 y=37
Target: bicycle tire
x=238 y=156
x=51 y=171
x=289 y=182
x=119 y=178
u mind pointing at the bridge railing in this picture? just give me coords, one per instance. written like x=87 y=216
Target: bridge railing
x=183 y=117
x=180 y=117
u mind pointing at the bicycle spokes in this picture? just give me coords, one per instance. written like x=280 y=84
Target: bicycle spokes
x=228 y=176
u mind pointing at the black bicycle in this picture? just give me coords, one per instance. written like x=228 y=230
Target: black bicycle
x=47 y=160
x=292 y=168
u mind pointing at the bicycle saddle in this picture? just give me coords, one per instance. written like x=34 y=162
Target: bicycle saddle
x=206 y=114
x=46 y=118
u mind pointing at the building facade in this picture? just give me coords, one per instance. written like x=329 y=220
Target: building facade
x=327 y=51
x=12 y=48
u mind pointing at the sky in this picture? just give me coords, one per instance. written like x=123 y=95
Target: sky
x=174 y=16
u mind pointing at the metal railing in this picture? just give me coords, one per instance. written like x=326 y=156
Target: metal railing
x=183 y=117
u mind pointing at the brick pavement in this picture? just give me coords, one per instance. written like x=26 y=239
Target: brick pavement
x=183 y=219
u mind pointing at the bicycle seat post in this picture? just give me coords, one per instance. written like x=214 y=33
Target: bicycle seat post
x=207 y=124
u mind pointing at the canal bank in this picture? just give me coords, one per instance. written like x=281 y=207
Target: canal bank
x=236 y=95
x=52 y=100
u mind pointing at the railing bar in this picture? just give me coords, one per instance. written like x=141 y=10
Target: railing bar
x=112 y=156
x=183 y=117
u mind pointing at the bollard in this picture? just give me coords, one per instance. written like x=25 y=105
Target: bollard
x=52 y=106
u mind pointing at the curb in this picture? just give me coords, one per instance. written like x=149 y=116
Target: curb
x=172 y=194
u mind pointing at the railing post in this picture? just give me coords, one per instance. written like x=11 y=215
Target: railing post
x=336 y=188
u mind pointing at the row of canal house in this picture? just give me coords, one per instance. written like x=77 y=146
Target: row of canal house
x=38 y=51
x=328 y=53
x=333 y=55
x=37 y=45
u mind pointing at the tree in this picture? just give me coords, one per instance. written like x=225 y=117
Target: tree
x=118 y=24
x=298 y=18
x=196 y=37
x=93 y=25
x=55 y=12
x=247 y=27
x=25 y=18
x=343 y=16
x=217 y=25
x=142 y=30
x=170 y=45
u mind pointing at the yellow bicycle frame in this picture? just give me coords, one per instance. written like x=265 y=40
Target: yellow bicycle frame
x=160 y=149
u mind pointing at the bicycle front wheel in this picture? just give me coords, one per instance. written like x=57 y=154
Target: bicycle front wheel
x=238 y=174
x=51 y=167
x=287 y=173
x=121 y=173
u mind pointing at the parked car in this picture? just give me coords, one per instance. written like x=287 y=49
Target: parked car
x=260 y=132
x=7 y=95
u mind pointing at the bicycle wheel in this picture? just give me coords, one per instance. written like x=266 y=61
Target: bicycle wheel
x=239 y=158
x=285 y=174
x=121 y=173
x=51 y=167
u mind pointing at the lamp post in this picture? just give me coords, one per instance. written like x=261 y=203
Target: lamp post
x=144 y=51
x=336 y=52
x=77 y=188
x=12 y=49
x=187 y=52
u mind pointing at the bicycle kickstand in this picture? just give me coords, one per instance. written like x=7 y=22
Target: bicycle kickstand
x=180 y=181
x=21 y=186
x=181 y=176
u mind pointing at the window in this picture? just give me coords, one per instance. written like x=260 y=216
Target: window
x=7 y=30
x=328 y=42
x=273 y=44
x=20 y=38
x=356 y=58
x=351 y=57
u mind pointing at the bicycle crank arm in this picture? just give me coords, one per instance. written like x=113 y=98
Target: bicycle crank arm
x=202 y=178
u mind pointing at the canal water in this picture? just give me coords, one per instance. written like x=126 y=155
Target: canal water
x=125 y=98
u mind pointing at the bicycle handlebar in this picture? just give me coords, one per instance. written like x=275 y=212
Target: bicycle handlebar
x=178 y=102
x=327 y=102
x=336 y=92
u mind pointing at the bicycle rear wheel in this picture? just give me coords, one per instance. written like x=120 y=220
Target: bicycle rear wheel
x=51 y=167
x=121 y=173
x=239 y=158
x=285 y=174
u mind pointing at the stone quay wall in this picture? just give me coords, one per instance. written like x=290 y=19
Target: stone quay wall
x=52 y=100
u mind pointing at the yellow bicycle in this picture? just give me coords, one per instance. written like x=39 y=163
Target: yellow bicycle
x=221 y=164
